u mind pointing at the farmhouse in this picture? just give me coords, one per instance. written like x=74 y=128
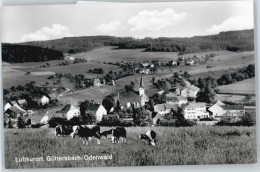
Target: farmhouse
x=69 y=111
x=163 y=109
x=15 y=111
x=219 y=110
x=97 y=110
x=195 y=111
x=172 y=98
x=174 y=63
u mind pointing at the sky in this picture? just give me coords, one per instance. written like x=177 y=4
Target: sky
x=139 y=20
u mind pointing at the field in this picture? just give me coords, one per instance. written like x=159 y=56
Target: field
x=14 y=74
x=175 y=146
x=243 y=87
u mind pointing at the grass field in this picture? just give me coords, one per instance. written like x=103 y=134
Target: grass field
x=242 y=87
x=175 y=146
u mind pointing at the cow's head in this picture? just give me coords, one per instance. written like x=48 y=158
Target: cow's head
x=75 y=130
x=153 y=141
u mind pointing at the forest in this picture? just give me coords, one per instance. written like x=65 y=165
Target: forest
x=242 y=40
x=14 y=53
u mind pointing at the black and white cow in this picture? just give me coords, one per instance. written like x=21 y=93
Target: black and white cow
x=150 y=136
x=86 y=132
x=117 y=133
x=63 y=130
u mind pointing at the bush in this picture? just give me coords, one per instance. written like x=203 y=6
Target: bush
x=54 y=121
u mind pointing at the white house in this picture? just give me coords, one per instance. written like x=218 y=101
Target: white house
x=190 y=91
x=69 y=58
x=69 y=111
x=174 y=63
x=216 y=111
x=98 y=111
x=195 y=111
x=7 y=106
x=190 y=62
x=44 y=100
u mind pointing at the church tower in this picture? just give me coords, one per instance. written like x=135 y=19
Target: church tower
x=141 y=88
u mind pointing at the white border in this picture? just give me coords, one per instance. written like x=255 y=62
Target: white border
x=183 y=168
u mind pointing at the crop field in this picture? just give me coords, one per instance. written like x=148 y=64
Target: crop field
x=175 y=146
x=243 y=87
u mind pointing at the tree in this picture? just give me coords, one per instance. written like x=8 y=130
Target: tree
x=206 y=95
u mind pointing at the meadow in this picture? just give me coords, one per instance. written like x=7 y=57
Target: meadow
x=242 y=87
x=175 y=146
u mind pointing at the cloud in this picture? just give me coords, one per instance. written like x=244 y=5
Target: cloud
x=233 y=23
x=108 y=27
x=46 y=33
x=155 y=20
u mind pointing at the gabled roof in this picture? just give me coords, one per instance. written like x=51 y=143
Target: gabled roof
x=163 y=107
x=196 y=105
x=128 y=96
x=233 y=107
x=96 y=80
x=17 y=109
x=220 y=103
x=190 y=86
x=93 y=107
x=67 y=108
x=171 y=95
x=22 y=101
x=14 y=102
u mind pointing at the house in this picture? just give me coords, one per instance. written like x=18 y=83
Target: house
x=44 y=100
x=22 y=102
x=160 y=92
x=96 y=82
x=69 y=58
x=7 y=106
x=15 y=111
x=14 y=103
x=144 y=71
x=158 y=119
x=195 y=111
x=190 y=91
x=163 y=109
x=69 y=111
x=233 y=111
x=216 y=111
x=219 y=110
x=145 y=65
x=97 y=110
x=172 y=98
x=174 y=63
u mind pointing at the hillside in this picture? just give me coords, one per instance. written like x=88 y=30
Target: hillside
x=232 y=40
x=14 y=53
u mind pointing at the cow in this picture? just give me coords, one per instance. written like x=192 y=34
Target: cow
x=150 y=136
x=63 y=130
x=86 y=132
x=117 y=133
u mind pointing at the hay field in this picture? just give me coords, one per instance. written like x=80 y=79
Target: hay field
x=175 y=146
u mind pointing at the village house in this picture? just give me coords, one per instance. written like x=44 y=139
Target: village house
x=97 y=110
x=190 y=62
x=172 y=98
x=163 y=109
x=15 y=111
x=22 y=102
x=69 y=58
x=7 y=106
x=145 y=71
x=69 y=111
x=174 y=63
x=195 y=111
x=96 y=82
x=190 y=91
x=44 y=100
x=219 y=110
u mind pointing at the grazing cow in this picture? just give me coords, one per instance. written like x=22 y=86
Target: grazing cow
x=117 y=133
x=150 y=136
x=85 y=132
x=63 y=130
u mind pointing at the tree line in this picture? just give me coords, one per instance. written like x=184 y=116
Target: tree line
x=14 y=53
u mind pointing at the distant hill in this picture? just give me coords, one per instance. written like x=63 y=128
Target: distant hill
x=232 y=40
x=14 y=53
